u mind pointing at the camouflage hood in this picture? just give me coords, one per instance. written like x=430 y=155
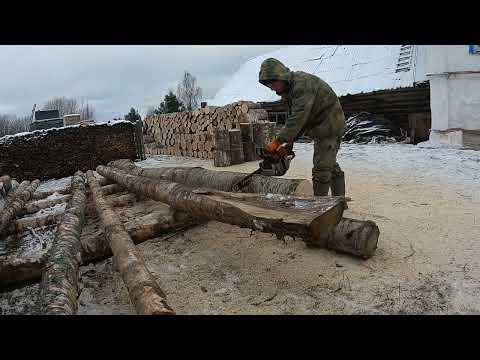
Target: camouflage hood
x=272 y=69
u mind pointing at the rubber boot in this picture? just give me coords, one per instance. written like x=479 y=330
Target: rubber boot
x=321 y=188
x=338 y=186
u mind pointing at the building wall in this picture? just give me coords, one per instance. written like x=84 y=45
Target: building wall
x=454 y=76
x=57 y=153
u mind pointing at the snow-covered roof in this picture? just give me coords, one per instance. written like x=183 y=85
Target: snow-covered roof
x=349 y=69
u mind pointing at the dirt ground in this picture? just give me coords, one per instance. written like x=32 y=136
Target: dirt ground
x=426 y=263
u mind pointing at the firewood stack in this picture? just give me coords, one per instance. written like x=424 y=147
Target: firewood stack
x=192 y=133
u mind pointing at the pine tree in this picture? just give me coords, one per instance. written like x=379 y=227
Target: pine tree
x=170 y=104
x=133 y=116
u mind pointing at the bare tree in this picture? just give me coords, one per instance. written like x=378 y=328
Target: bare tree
x=87 y=112
x=188 y=92
x=12 y=124
x=63 y=105
x=67 y=106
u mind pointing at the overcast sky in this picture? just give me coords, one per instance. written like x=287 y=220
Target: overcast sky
x=112 y=78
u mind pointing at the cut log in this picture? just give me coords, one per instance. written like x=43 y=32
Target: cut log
x=16 y=270
x=5 y=185
x=59 y=287
x=236 y=147
x=33 y=206
x=219 y=180
x=161 y=221
x=39 y=195
x=222 y=154
x=14 y=208
x=23 y=224
x=145 y=294
x=357 y=237
x=311 y=219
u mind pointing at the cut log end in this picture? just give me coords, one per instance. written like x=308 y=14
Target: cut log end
x=356 y=237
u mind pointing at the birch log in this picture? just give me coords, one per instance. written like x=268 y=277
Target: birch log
x=59 y=287
x=145 y=294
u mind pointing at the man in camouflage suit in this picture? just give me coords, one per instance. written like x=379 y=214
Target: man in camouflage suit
x=314 y=110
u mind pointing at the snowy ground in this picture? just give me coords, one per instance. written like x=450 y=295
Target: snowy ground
x=425 y=201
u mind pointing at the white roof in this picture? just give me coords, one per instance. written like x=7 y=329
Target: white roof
x=348 y=69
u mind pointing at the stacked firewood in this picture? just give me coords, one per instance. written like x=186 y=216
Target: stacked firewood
x=191 y=133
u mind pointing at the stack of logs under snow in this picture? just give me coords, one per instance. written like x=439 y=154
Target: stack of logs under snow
x=100 y=200
x=228 y=134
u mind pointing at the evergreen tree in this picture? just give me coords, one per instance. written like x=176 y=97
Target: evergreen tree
x=170 y=104
x=133 y=116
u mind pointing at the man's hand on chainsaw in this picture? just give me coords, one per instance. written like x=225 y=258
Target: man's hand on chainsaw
x=280 y=151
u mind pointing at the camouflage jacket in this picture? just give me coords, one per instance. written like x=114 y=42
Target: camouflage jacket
x=313 y=107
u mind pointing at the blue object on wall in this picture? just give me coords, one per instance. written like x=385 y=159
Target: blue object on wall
x=474 y=49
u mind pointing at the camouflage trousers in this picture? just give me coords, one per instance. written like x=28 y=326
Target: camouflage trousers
x=326 y=172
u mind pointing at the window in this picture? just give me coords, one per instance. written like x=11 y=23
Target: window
x=474 y=49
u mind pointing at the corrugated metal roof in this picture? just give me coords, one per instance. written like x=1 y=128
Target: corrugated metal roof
x=349 y=69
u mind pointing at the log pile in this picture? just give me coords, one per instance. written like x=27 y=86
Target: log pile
x=58 y=153
x=192 y=133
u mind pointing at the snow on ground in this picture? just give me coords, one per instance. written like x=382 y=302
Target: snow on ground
x=456 y=168
x=55 y=184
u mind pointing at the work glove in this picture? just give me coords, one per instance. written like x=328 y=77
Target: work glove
x=273 y=146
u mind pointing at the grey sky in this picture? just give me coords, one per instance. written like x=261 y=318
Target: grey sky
x=112 y=78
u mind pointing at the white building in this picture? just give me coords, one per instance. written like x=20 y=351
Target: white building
x=409 y=84
x=454 y=75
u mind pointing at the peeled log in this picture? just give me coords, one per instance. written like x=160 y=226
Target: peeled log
x=311 y=219
x=59 y=288
x=13 y=208
x=146 y=295
x=219 y=180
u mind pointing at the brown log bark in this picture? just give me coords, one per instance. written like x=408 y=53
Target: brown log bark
x=59 y=287
x=13 y=208
x=311 y=219
x=146 y=295
x=220 y=180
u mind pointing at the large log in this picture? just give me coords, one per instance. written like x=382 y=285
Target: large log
x=311 y=219
x=13 y=208
x=356 y=237
x=146 y=295
x=220 y=180
x=59 y=287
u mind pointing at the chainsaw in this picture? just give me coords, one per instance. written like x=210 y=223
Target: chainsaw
x=271 y=165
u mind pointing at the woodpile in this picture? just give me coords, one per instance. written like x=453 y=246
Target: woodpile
x=192 y=133
x=58 y=153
